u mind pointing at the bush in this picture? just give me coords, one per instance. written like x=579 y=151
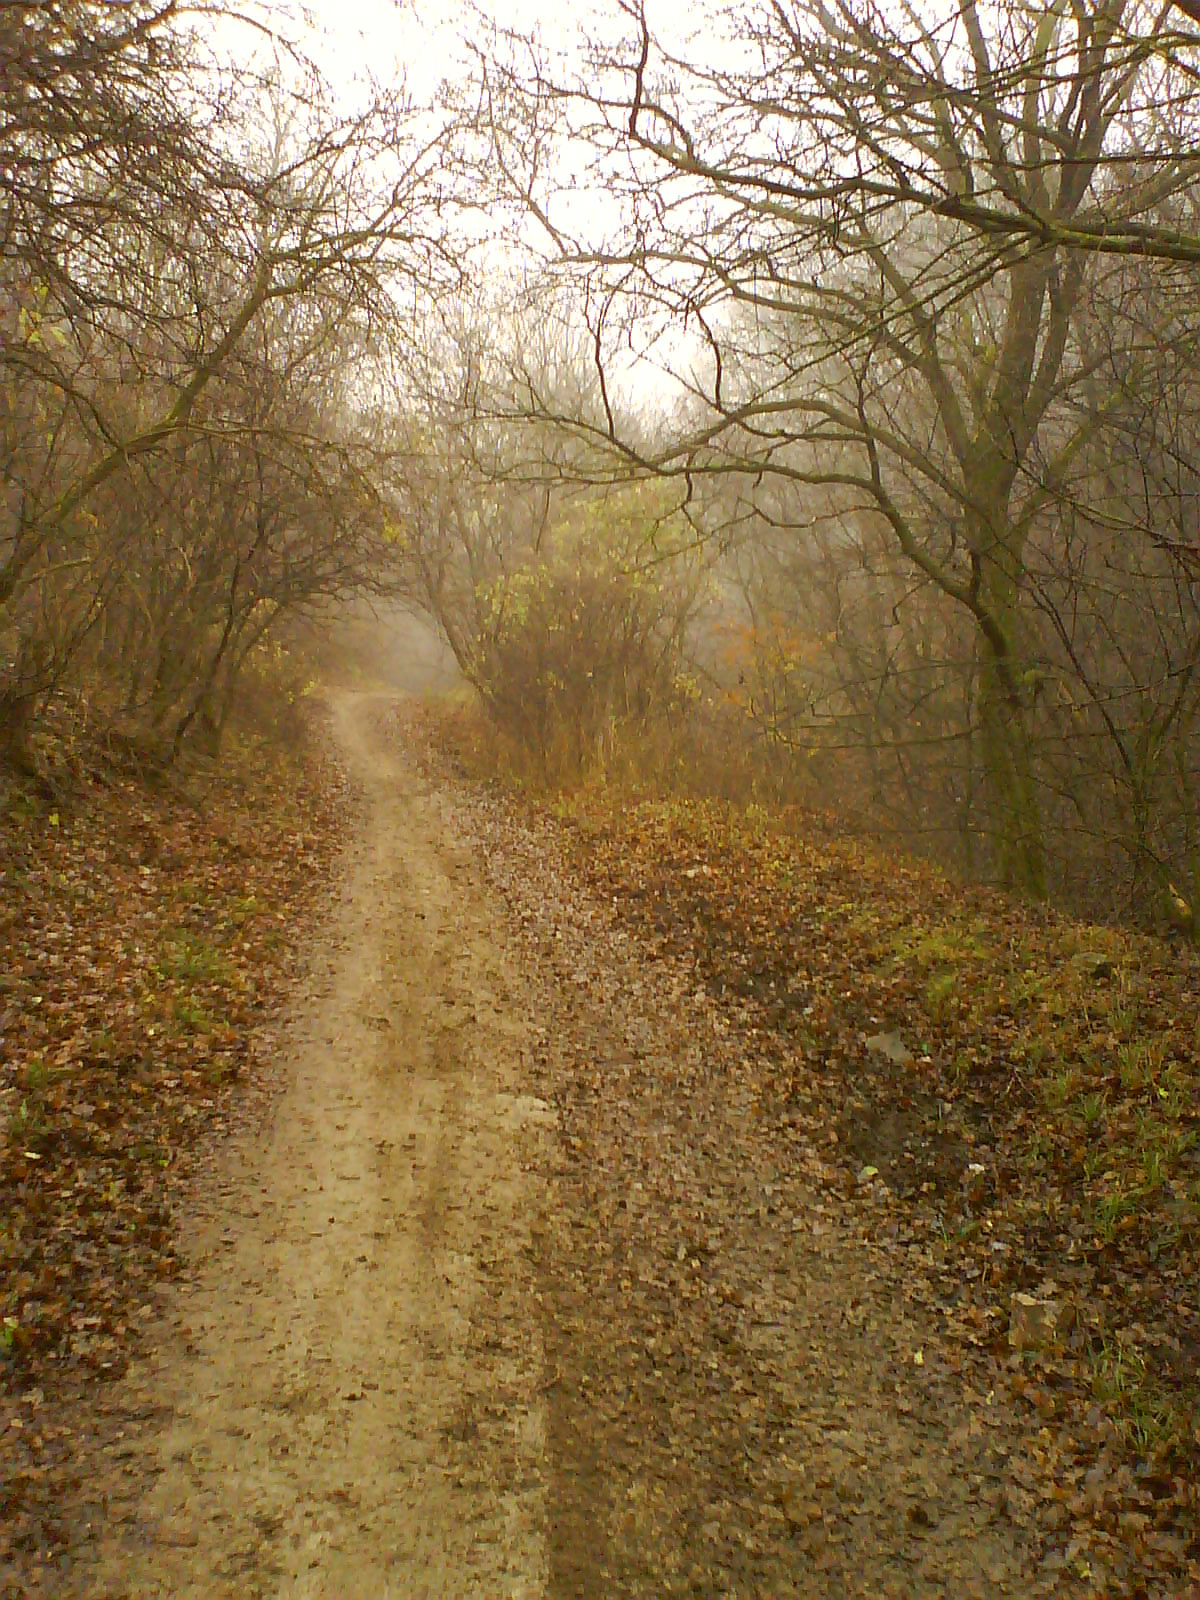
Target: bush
x=583 y=646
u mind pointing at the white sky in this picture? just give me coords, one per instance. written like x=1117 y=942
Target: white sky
x=421 y=43
x=422 y=39
x=353 y=38
x=419 y=38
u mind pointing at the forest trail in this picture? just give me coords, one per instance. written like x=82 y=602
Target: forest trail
x=519 y=1295
x=347 y=1397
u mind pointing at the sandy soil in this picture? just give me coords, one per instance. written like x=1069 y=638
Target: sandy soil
x=347 y=1396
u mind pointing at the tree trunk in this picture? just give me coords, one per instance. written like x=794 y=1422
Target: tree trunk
x=1014 y=812
x=16 y=734
x=1006 y=718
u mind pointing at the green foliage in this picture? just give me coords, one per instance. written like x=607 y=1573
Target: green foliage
x=192 y=1017
x=193 y=960
x=28 y=1123
x=582 y=645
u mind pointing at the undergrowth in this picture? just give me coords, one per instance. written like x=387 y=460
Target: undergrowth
x=1040 y=1078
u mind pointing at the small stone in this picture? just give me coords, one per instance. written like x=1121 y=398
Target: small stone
x=891 y=1046
x=799 y=1511
x=1038 y=1324
x=1093 y=964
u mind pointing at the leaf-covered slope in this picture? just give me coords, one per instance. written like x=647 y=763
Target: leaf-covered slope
x=145 y=937
x=1024 y=1087
x=1010 y=1098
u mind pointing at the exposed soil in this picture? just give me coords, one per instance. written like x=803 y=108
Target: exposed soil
x=528 y=1290
x=346 y=1396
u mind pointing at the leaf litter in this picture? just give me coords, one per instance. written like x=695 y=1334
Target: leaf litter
x=867 y=1260
x=147 y=937
x=886 y=1193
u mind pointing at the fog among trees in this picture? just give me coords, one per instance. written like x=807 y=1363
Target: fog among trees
x=805 y=408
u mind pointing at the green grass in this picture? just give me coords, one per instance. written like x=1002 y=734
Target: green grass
x=1091 y=1111
x=940 y=991
x=27 y=1122
x=191 y=1017
x=1147 y=1418
x=951 y=946
x=1139 y=1062
x=192 y=960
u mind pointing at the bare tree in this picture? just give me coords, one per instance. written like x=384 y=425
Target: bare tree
x=881 y=230
x=565 y=599
x=179 y=278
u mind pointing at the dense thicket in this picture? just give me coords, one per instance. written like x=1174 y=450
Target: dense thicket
x=926 y=284
x=852 y=397
x=194 y=260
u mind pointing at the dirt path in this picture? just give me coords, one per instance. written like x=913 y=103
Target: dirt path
x=525 y=1293
x=348 y=1400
